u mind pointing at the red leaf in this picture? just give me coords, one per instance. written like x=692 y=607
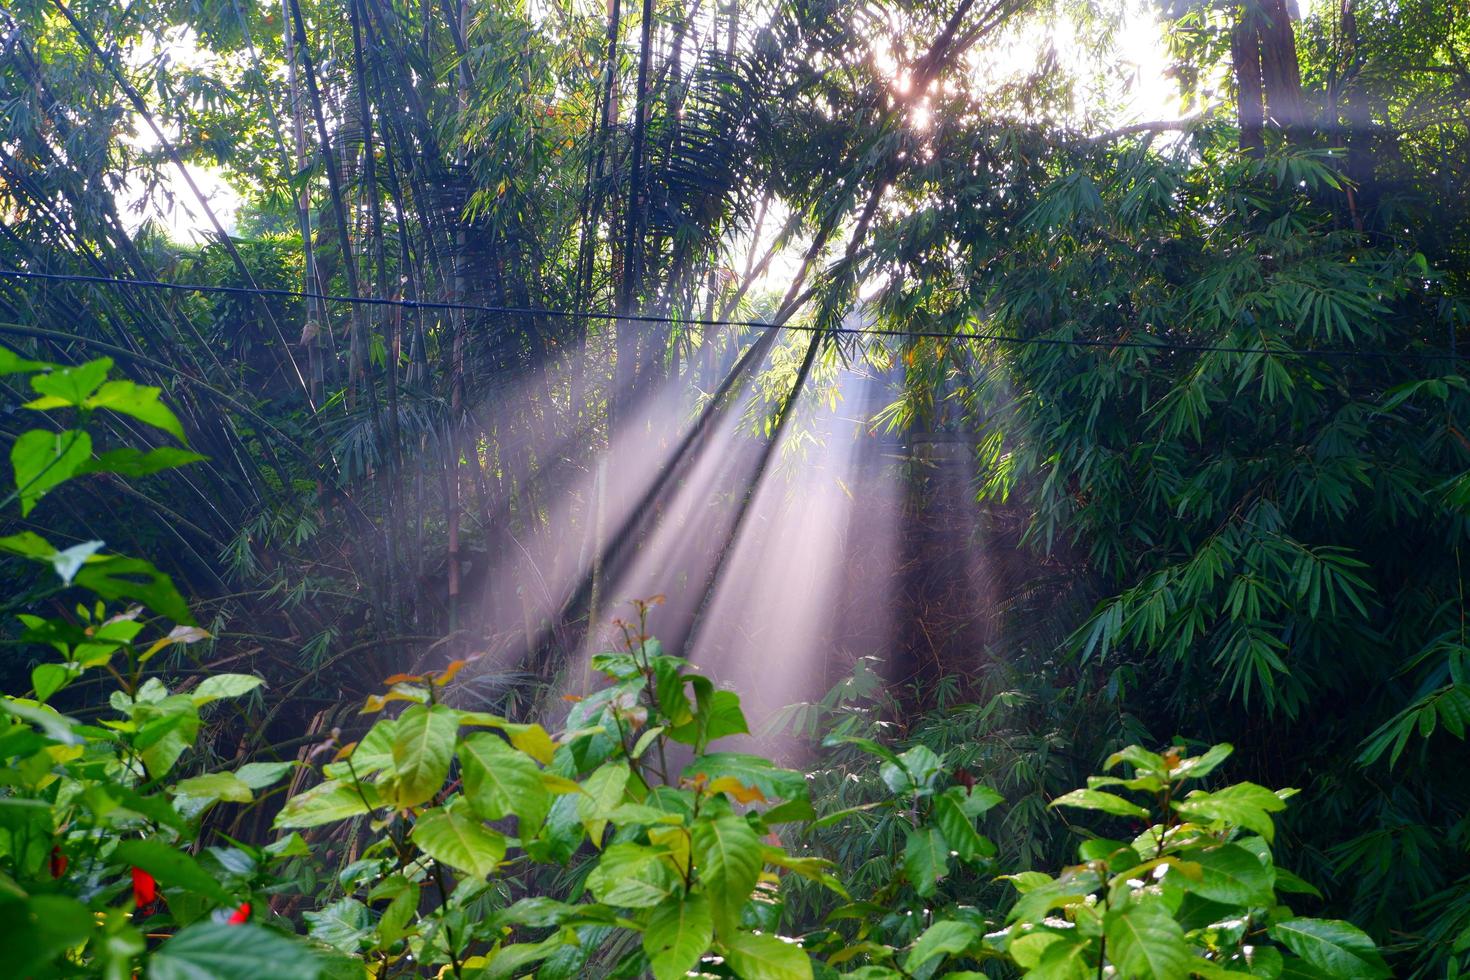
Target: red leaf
x=145 y=889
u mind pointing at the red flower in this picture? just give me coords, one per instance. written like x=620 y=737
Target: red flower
x=145 y=889
x=58 y=862
x=241 y=915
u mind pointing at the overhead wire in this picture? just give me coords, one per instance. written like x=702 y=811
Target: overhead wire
x=1153 y=344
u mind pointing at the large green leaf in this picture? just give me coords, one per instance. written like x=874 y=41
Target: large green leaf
x=216 y=951
x=717 y=714
x=215 y=786
x=456 y=837
x=499 y=780
x=42 y=460
x=755 y=955
x=328 y=802
x=69 y=385
x=1338 y=948
x=1241 y=805
x=345 y=924
x=603 y=792
x=259 y=775
x=925 y=859
x=423 y=745
x=727 y=856
x=373 y=753
x=959 y=828
x=13 y=363
x=1092 y=799
x=134 y=462
x=1231 y=874
x=774 y=782
x=511 y=961
x=1065 y=959
x=218 y=686
x=946 y=937
x=166 y=730
x=679 y=932
x=36 y=931
x=139 y=401
x=633 y=875
x=116 y=578
x=1144 y=941
x=171 y=867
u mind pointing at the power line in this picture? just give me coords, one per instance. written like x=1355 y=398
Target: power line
x=1152 y=344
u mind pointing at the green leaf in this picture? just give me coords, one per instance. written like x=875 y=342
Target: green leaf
x=561 y=835
x=13 y=363
x=171 y=867
x=511 y=961
x=1286 y=881
x=28 y=544
x=456 y=837
x=328 y=802
x=947 y=937
x=166 y=730
x=51 y=722
x=215 y=786
x=43 y=460
x=217 y=951
x=423 y=745
x=530 y=739
x=727 y=855
x=116 y=578
x=767 y=957
x=47 y=679
x=139 y=401
x=1115 y=853
x=66 y=562
x=717 y=715
x=1092 y=799
x=498 y=781
x=1040 y=894
x=633 y=876
x=259 y=775
x=1140 y=758
x=603 y=793
x=1145 y=941
x=958 y=828
x=1241 y=805
x=1202 y=765
x=669 y=690
x=344 y=924
x=217 y=686
x=373 y=753
x=36 y=931
x=1065 y=959
x=1338 y=948
x=678 y=934
x=925 y=859
x=1231 y=874
x=774 y=782
x=134 y=462
x=69 y=385
x=866 y=744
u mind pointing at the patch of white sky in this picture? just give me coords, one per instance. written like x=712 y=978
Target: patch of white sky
x=169 y=202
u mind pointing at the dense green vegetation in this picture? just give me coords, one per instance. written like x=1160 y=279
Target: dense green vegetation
x=307 y=664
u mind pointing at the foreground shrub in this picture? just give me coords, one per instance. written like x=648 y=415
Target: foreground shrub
x=625 y=844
